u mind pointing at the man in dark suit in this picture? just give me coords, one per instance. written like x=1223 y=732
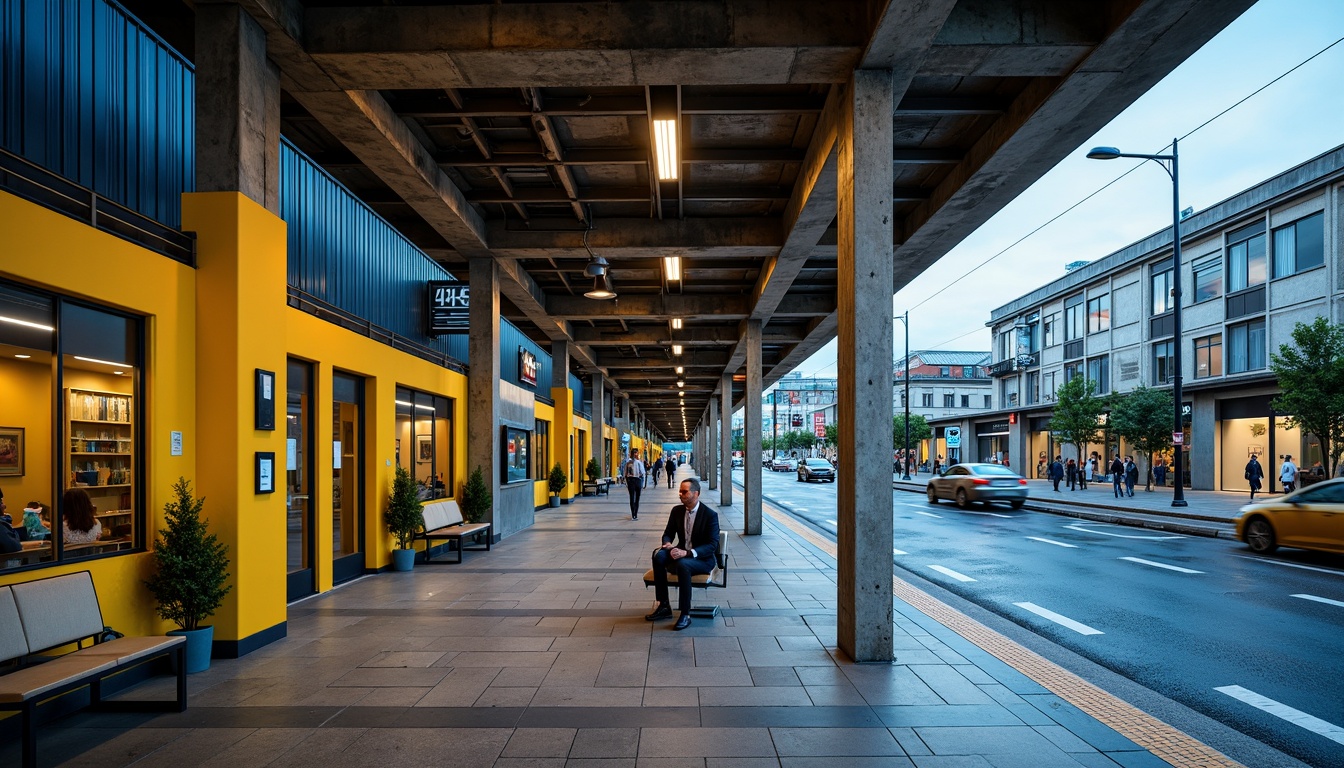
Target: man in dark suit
x=695 y=529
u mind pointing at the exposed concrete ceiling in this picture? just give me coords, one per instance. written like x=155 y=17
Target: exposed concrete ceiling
x=517 y=130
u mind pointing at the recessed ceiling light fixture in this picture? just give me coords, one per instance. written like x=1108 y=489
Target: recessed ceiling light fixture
x=676 y=323
x=23 y=357
x=663 y=121
x=676 y=349
x=680 y=383
x=680 y=370
x=672 y=269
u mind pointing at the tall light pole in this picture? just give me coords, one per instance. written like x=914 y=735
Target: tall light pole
x=1171 y=165
x=905 y=456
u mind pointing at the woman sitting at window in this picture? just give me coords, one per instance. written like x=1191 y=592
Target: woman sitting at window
x=78 y=523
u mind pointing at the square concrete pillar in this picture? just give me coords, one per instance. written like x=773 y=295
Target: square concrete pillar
x=483 y=374
x=597 y=437
x=563 y=425
x=726 y=440
x=751 y=470
x=865 y=507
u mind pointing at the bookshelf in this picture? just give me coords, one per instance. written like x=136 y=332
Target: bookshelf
x=100 y=449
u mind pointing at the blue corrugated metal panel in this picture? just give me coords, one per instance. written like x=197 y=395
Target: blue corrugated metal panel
x=576 y=384
x=510 y=364
x=90 y=94
x=343 y=253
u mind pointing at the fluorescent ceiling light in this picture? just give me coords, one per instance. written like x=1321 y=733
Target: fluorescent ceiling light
x=25 y=357
x=676 y=323
x=679 y=370
x=665 y=144
x=676 y=349
x=25 y=323
x=417 y=405
x=672 y=268
x=103 y=362
x=680 y=383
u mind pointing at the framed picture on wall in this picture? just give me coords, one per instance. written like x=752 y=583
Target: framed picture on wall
x=11 y=451
x=424 y=449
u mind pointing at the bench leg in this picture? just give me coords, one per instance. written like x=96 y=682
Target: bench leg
x=180 y=657
x=29 y=725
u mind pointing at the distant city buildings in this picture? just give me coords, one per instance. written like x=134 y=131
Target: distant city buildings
x=944 y=383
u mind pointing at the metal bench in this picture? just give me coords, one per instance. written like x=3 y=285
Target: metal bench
x=717 y=578
x=37 y=617
x=443 y=522
x=599 y=487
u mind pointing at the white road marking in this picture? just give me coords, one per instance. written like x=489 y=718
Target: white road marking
x=1121 y=535
x=1064 y=621
x=802 y=509
x=895 y=551
x=1052 y=541
x=1333 y=571
x=832 y=522
x=1325 y=600
x=927 y=514
x=991 y=514
x=1283 y=711
x=1177 y=568
x=949 y=572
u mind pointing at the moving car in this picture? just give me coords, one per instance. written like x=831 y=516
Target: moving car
x=985 y=483
x=782 y=464
x=737 y=461
x=1308 y=518
x=815 y=469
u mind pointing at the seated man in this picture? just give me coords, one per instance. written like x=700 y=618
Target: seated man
x=696 y=529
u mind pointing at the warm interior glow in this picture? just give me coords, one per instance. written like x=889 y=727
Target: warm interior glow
x=600 y=289
x=680 y=383
x=680 y=370
x=25 y=357
x=676 y=349
x=665 y=144
x=672 y=268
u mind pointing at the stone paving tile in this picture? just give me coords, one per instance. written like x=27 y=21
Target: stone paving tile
x=622 y=670
x=774 y=676
x=698 y=677
x=943 y=715
x=505 y=697
x=890 y=686
x=910 y=741
x=588 y=697
x=848 y=762
x=461 y=688
x=1064 y=739
x=392 y=697
x=606 y=742
x=672 y=697
x=949 y=683
x=706 y=742
x=755 y=697
x=954 y=761
x=835 y=696
x=985 y=740
x=835 y=742
x=505 y=659
x=520 y=677
x=404 y=659
x=392 y=678
x=575 y=668
x=530 y=762
x=1102 y=737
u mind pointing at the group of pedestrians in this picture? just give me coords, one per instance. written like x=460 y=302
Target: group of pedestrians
x=1124 y=474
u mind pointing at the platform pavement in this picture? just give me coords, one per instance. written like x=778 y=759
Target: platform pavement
x=537 y=654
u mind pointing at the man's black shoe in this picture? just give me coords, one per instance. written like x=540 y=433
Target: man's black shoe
x=663 y=611
x=682 y=623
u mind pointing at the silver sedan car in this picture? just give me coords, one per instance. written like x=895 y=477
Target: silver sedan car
x=985 y=483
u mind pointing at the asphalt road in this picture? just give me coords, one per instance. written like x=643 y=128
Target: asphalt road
x=1253 y=642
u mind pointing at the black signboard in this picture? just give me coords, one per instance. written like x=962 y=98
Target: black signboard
x=449 y=302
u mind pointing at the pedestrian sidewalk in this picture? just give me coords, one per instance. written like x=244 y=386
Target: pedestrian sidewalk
x=537 y=654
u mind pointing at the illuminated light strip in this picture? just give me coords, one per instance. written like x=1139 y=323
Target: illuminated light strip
x=416 y=405
x=665 y=142
x=103 y=362
x=25 y=323
x=1176 y=747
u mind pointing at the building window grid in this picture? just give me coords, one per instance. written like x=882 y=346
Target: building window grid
x=1050 y=330
x=1299 y=246
x=1073 y=318
x=1208 y=279
x=1246 y=265
x=1246 y=347
x=1209 y=356
x=1099 y=371
x=1099 y=313
x=1163 y=368
x=1162 y=298
x=949 y=400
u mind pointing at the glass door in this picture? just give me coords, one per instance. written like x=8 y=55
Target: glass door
x=347 y=487
x=299 y=481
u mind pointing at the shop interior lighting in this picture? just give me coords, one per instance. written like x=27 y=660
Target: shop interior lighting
x=25 y=323
x=417 y=405
x=104 y=362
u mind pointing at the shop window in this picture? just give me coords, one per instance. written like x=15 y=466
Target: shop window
x=1246 y=257
x=1299 y=246
x=517 y=456
x=1209 y=356
x=1099 y=313
x=1073 y=318
x=1246 y=347
x=88 y=500
x=541 y=450
x=424 y=443
x=1208 y=279
x=1163 y=362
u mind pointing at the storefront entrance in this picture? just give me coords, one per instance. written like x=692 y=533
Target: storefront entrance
x=299 y=542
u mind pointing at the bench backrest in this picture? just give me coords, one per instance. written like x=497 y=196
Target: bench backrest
x=441 y=513
x=58 y=611
x=12 y=642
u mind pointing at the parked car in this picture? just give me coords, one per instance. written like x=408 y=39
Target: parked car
x=985 y=483
x=1307 y=518
x=783 y=464
x=815 y=469
x=737 y=462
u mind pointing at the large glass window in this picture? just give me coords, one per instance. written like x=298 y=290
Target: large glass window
x=1099 y=313
x=77 y=490
x=1162 y=298
x=1050 y=330
x=1246 y=347
x=1246 y=257
x=424 y=443
x=1073 y=318
x=1072 y=371
x=1208 y=279
x=1163 y=363
x=1209 y=356
x=1099 y=370
x=1299 y=246
x=541 y=450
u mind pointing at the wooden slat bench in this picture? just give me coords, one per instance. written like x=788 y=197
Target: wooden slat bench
x=599 y=487
x=717 y=578
x=44 y=615
x=443 y=522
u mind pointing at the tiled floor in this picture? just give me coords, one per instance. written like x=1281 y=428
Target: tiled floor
x=537 y=654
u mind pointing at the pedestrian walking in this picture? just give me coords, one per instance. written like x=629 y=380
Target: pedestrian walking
x=1117 y=476
x=657 y=470
x=671 y=468
x=1071 y=472
x=1131 y=476
x=1057 y=472
x=1254 y=474
x=633 y=472
x=1288 y=474
x=1160 y=471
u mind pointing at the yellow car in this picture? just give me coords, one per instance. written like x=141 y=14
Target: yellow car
x=1308 y=518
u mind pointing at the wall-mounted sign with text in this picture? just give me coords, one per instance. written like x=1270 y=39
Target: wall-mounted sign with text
x=449 y=302
x=527 y=366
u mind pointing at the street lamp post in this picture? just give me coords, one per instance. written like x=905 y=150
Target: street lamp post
x=905 y=456
x=1170 y=164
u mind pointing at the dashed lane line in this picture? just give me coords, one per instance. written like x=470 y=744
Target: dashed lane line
x=1325 y=600
x=951 y=573
x=988 y=514
x=1332 y=571
x=1166 y=742
x=1085 y=529
x=1060 y=619
x=1284 y=712
x=1176 y=568
x=1052 y=541
x=927 y=514
x=895 y=551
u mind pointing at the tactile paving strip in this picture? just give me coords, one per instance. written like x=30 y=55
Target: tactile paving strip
x=1162 y=740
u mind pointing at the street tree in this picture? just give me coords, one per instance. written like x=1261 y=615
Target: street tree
x=1077 y=411
x=832 y=435
x=919 y=430
x=739 y=443
x=1311 y=377
x=1143 y=419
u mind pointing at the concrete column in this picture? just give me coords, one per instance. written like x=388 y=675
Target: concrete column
x=483 y=374
x=751 y=468
x=237 y=107
x=711 y=445
x=563 y=426
x=726 y=441
x=599 y=410
x=864 y=613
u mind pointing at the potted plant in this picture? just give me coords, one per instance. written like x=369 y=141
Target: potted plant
x=404 y=518
x=556 y=482
x=593 y=470
x=475 y=497
x=190 y=568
